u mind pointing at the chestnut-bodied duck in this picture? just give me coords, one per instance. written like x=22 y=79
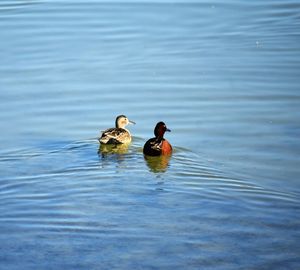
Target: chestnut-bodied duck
x=158 y=145
x=118 y=134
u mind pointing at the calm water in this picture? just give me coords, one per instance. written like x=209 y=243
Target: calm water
x=225 y=77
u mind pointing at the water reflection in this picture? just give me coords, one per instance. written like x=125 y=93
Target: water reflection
x=158 y=163
x=106 y=149
x=113 y=156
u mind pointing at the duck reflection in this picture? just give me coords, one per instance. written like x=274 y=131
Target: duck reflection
x=106 y=149
x=113 y=156
x=157 y=164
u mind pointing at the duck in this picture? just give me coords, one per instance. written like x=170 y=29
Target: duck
x=158 y=145
x=119 y=134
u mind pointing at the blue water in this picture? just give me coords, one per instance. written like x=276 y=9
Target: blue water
x=223 y=76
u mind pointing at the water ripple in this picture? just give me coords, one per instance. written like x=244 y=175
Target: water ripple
x=223 y=76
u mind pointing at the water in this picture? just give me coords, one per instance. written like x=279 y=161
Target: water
x=225 y=79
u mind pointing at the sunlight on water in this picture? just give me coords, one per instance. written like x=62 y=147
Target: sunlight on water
x=222 y=76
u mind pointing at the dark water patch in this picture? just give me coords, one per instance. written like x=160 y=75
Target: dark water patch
x=13 y=5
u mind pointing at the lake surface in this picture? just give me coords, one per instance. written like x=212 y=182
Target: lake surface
x=224 y=77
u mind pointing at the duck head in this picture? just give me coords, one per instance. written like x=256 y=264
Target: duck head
x=122 y=121
x=160 y=130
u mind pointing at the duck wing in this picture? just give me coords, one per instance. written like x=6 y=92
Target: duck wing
x=153 y=147
x=114 y=136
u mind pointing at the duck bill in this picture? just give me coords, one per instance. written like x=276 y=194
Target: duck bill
x=131 y=122
x=169 y=130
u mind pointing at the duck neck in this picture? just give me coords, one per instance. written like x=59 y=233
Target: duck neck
x=118 y=125
x=159 y=138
